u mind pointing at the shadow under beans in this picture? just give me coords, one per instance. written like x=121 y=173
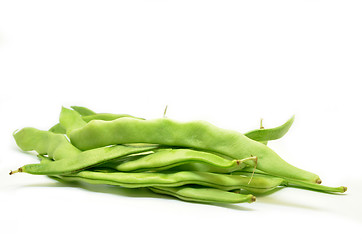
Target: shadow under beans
x=265 y=198
x=262 y=194
x=130 y=192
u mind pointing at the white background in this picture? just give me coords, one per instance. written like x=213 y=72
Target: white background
x=227 y=62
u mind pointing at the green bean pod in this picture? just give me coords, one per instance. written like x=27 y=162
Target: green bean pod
x=174 y=179
x=295 y=183
x=267 y=134
x=265 y=183
x=204 y=195
x=313 y=186
x=81 y=161
x=164 y=159
x=56 y=146
x=197 y=134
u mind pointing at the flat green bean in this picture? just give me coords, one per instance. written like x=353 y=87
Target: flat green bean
x=197 y=134
x=56 y=146
x=174 y=179
x=168 y=158
x=81 y=161
x=204 y=195
x=295 y=183
x=265 y=135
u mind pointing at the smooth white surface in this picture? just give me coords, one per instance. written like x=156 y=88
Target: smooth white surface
x=227 y=62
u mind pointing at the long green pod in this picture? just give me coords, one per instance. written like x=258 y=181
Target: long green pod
x=268 y=134
x=196 y=134
x=173 y=179
x=312 y=186
x=82 y=160
x=56 y=146
x=168 y=158
x=204 y=195
x=295 y=183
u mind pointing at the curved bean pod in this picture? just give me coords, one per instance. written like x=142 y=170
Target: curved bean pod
x=56 y=146
x=269 y=184
x=268 y=134
x=296 y=183
x=174 y=179
x=313 y=186
x=196 y=134
x=204 y=195
x=168 y=158
x=81 y=161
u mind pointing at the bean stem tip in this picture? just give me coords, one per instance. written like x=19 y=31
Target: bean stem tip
x=15 y=171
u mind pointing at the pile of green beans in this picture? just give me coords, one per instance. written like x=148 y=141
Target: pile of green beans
x=192 y=161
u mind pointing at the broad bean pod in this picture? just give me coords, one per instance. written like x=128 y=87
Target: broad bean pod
x=196 y=134
x=174 y=179
x=69 y=158
x=81 y=161
x=293 y=182
x=265 y=183
x=164 y=159
x=267 y=134
x=56 y=146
